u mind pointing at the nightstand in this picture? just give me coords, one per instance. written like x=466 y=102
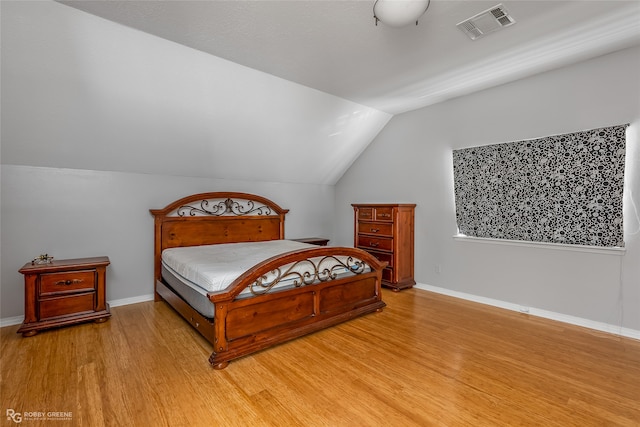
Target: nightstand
x=320 y=241
x=64 y=292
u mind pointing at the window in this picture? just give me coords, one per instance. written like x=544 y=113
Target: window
x=558 y=189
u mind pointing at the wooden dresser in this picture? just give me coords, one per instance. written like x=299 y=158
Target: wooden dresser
x=64 y=292
x=386 y=231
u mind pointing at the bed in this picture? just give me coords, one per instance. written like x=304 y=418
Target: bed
x=297 y=290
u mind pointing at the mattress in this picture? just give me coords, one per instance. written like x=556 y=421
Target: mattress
x=193 y=296
x=214 y=267
x=195 y=271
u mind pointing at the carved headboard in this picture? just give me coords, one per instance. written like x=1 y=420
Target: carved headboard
x=213 y=218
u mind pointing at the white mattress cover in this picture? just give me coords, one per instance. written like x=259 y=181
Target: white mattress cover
x=211 y=268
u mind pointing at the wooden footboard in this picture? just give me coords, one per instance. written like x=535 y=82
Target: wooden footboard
x=246 y=325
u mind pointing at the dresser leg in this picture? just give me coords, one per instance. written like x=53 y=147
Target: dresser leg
x=29 y=334
x=101 y=320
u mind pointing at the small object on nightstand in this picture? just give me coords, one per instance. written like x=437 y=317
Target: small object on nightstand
x=319 y=241
x=64 y=292
x=42 y=259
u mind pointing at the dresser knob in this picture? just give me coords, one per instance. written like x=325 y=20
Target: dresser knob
x=68 y=282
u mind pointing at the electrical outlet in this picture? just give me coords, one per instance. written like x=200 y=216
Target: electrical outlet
x=438 y=269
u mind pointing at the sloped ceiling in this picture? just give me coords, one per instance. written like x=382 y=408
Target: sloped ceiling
x=334 y=46
x=281 y=91
x=81 y=92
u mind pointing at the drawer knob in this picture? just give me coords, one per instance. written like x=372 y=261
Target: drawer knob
x=374 y=244
x=68 y=282
x=375 y=230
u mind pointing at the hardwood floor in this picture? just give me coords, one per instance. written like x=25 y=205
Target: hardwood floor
x=426 y=360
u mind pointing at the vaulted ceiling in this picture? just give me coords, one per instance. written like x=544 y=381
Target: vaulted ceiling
x=335 y=47
x=278 y=91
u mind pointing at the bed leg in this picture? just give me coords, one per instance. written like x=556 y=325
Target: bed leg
x=217 y=364
x=220 y=366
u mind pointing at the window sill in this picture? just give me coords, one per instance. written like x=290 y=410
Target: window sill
x=543 y=245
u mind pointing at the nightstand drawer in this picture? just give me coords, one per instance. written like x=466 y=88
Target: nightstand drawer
x=375 y=228
x=62 y=306
x=370 y=242
x=68 y=281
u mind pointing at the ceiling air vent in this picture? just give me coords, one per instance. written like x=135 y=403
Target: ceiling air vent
x=486 y=22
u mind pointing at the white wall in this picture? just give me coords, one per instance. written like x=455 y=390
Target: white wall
x=70 y=213
x=410 y=161
x=101 y=122
x=82 y=92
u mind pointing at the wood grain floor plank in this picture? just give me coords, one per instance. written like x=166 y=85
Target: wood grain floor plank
x=426 y=360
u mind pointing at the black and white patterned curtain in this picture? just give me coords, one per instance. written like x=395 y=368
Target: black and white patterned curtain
x=559 y=189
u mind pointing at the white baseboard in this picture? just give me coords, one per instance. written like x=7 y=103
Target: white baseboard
x=132 y=300
x=16 y=320
x=598 y=326
x=10 y=321
x=578 y=321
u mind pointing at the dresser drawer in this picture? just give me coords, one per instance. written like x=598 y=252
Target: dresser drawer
x=384 y=214
x=371 y=242
x=387 y=274
x=61 y=306
x=365 y=213
x=68 y=281
x=383 y=256
x=384 y=229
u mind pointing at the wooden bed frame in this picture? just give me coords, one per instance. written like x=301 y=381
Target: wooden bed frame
x=268 y=317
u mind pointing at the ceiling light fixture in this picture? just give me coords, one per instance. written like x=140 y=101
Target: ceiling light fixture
x=398 y=13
